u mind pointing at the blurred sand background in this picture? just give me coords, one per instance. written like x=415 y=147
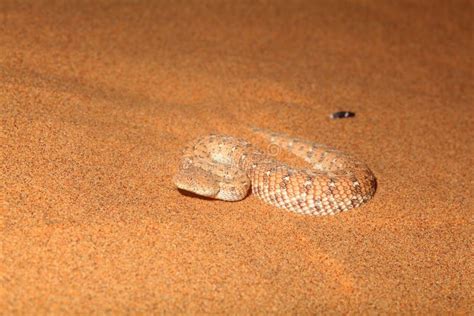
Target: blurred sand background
x=97 y=98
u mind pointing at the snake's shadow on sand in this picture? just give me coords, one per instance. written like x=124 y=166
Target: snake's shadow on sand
x=194 y=195
x=205 y=198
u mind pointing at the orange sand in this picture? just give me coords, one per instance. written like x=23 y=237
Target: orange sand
x=98 y=98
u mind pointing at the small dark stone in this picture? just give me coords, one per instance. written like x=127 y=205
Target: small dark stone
x=341 y=114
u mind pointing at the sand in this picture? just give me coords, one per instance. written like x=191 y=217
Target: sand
x=97 y=98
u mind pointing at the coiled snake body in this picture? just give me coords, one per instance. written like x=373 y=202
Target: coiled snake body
x=225 y=167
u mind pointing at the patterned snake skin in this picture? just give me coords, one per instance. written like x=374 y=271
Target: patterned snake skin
x=225 y=167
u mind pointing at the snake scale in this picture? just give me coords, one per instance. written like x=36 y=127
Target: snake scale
x=225 y=167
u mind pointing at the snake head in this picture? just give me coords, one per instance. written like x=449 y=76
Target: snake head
x=198 y=181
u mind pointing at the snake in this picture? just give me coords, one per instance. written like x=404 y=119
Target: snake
x=227 y=168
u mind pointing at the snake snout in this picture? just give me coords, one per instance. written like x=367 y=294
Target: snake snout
x=197 y=181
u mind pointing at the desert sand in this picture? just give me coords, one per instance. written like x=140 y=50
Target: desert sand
x=97 y=98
